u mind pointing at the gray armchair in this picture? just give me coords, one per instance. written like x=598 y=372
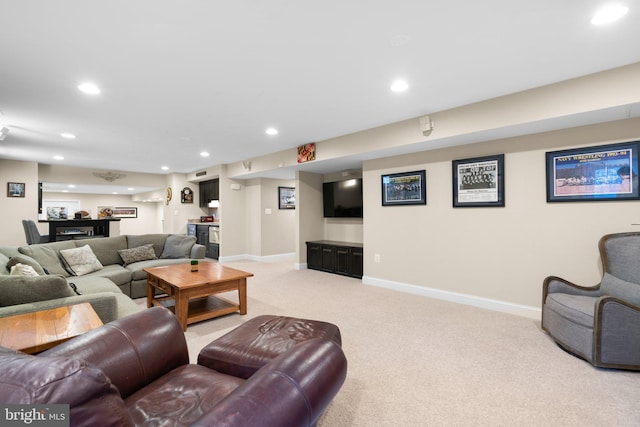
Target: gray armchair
x=32 y=234
x=600 y=324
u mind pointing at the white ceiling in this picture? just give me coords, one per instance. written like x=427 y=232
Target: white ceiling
x=178 y=78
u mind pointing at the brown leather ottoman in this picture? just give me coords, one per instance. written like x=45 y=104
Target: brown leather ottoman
x=253 y=344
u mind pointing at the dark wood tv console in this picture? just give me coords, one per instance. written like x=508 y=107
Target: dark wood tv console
x=335 y=257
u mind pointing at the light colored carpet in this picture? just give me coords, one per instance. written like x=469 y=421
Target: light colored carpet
x=415 y=361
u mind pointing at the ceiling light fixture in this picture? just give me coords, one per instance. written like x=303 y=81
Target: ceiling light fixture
x=399 y=86
x=109 y=176
x=272 y=131
x=204 y=154
x=165 y=168
x=89 y=88
x=609 y=13
x=58 y=157
x=68 y=135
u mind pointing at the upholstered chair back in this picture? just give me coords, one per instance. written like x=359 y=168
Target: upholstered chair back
x=621 y=256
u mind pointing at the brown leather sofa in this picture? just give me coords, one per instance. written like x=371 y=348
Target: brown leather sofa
x=136 y=371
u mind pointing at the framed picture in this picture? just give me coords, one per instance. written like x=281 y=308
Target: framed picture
x=286 y=198
x=478 y=182
x=125 y=213
x=590 y=174
x=15 y=189
x=408 y=188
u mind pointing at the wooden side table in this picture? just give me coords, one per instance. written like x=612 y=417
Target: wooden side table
x=41 y=330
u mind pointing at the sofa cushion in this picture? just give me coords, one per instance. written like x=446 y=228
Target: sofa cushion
x=157 y=240
x=27 y=289
x=136 y=254
x=178 y=246
x=4 y=260
x=114 y=272
x=106 y=248
x=578 y=309
x=47 y=256
x=618 y=288
x=80 y=261
x=26 y=260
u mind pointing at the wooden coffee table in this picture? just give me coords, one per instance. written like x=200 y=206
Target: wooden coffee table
x=190 y=294
x=40 y=330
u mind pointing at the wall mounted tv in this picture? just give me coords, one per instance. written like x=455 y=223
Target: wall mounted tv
x=342 y=199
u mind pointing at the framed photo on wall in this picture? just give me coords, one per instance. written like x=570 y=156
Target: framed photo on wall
x=478 y=182
x=15 y=189
x=407 y=188
x=592 y=174
x=286 y=198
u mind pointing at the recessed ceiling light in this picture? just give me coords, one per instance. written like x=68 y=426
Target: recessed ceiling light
x=609 y=13
x=71 y=186
x=89 y=88
x=272 y=131
x=68 y=135
x=65 y=191
x=58 y=157
x=165 y=168
x=204 y=154
x=130 y=189
x=115 y=192
x=399 y=86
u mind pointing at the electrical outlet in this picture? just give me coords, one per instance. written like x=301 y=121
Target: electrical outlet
x=376 y=257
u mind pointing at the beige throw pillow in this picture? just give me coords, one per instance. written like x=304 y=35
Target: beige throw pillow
x=81 y=260
x=22 y=270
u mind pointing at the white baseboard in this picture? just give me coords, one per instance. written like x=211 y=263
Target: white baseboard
x=258 y=258
x=300 y=265
x=490 y=304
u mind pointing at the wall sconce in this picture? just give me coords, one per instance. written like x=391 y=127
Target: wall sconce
x=246 y=165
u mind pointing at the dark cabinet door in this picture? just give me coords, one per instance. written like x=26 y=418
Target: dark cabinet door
x=357 y=262
x=314 y=256
x=328 y=258
x=343 y=261
x=202 y=236
x=209 y=190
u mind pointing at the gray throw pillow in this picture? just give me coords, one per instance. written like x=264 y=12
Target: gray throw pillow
x=621 y=289
x=178 y=246
x=28 y=289
x=26 y=260
x=81 y=261
x=141 y=253
x=47 y=257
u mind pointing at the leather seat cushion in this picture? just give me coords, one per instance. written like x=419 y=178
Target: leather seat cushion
x=256 y=342
x=180 y=397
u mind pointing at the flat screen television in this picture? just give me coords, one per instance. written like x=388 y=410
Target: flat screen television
x=342 y=199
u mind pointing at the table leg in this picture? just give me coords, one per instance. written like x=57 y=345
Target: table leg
x=182 y=309
x=149 y=293
x=242 y=295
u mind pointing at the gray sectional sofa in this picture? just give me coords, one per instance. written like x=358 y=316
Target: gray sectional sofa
x=108 y=275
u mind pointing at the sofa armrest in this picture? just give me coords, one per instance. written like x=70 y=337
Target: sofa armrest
x=291 y=390
x=132 y=351
x=616 y=334
x=198 y=251
x=554 y=284
x=104 y=304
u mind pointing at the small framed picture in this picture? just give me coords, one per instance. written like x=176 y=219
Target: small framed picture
x=407 y=188
x=124 y=213
x=286 y=198
x=478 y=182
x=15 y=189
x=593 y=174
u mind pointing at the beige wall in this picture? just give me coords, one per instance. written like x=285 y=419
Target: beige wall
x=15 y=209
x=494 y=253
